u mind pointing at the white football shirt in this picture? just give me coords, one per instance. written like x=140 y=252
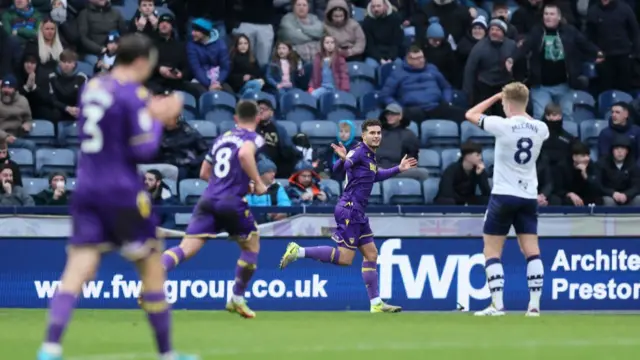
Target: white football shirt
x=518 y=143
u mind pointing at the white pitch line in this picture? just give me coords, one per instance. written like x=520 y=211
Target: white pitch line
x=378 y=347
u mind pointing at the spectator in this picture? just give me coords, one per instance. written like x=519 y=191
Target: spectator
x=146 y=18
x=555 y=52
x=15 y=116
x=48 y=47
x=421 y=90
x=21 y=21
x=6 y=57
x=478 y=32
x=329 y=70
x=383 y=31
x=406 y=10
x=5 y=160
x=10 y=193
x=245 y=74
x=398 y=142
x=501 y=11
x=545 y=183
x=302 y=144
x=65 y=84
x=347 y=33
x=172 y=72
x=557 y=148
x=56 y=194
x=33 y=84
x=461 y=179
x=277 y=144
x=305 y=188
x=580 y=182
x=527 y=16
x=275 y=196
x=208 y=56
x=454 y=17
x=109 y=57
x=65 y=20
x=347 y=137
x=489 y=66
x=302 y=30
x=620 y=175
x=254 y=18
x=612 y=26
x=95 y=23
x=620 y=124
x=315 y=7
x=285 y=68
x=439 y=53
x=184 y=147
x=160 y=196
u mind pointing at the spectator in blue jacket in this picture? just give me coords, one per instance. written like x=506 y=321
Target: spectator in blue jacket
x=208 y=55
x=275 y=196
x=620 y=124
x=421 y=90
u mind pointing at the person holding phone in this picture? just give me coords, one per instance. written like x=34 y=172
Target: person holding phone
x=56 y=194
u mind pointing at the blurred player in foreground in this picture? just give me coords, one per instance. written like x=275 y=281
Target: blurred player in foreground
x=514 y=195
x=353 y=230
x=119 y=128
x=229 y=167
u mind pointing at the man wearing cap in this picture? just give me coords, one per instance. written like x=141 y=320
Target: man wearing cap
x=277 y=143
x=15 y=115
x=208 y=55
x=489 y=66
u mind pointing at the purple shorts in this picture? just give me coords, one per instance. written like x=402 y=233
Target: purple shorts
x=211 y=217
x=353 y=228
x=111 y=226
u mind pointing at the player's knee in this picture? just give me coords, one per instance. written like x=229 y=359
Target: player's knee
x=493 y=246
x=191 y=245
x=529 y=245
x=252 y=243
x=346 y=257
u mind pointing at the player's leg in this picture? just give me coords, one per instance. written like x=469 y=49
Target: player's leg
x=201 y=226
x=526 y=227
x=370 y=273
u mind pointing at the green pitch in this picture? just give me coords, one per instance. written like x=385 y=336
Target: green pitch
x=124 y=335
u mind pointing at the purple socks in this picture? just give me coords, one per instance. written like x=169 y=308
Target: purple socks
x=370 y=277
x=172 y=257
x=245 y=268
x=326 y=254
x=159 y=315
x=60 y=310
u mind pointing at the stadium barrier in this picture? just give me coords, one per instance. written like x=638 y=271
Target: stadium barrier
x=422 y=274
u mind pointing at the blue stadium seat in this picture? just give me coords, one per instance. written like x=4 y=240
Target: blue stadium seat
x=34 y=185
x=207 y=129
x=581 y=113
x=571 y=127
x=460 y=99
x=430 y=160
x=607 y=98
x=449 y=156
x=51 y=160
x=71 y=184
x=285 y=106
x=362 y=78
x=283 y=182
x=299 y=106
x=414 y=128
x=320 y=132
x=250 y=95
x=168 y=171
x=488 y=157
x=593 y=154
x=42 y=132
x=333 y=186
x=225 y=126
x=190 y=190
x=384 y=71
x=173 y=186
x=430 y=189
x=358 y=125
x=583 y=98
x=376 y=195
x=370 y=105
x=289 y=126
x=217 y=104
x=85 y=68
x=358 y=13
x=402 y=191
x=24 y=159
x=339 y=105
x=437 y=133
x=69 y=132
x=469 y=131
x=590 y=130
x=182 y=220
x=190 y=110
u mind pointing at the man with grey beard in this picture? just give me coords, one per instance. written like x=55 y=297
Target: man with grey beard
x=15 y=115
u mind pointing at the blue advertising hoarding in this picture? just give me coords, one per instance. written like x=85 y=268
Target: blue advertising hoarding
x=418 y=274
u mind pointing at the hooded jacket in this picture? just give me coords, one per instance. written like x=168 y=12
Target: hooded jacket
x=94 y=25
x=384 y=34
x=557 y=148
x=330 y=157
x=455 y=19
x=295 y=189
x=203 y=57
x=629 y=130
x=349 y=36
x=425 y=88
x=486 y=64
x=620 y=177
x=398 y=142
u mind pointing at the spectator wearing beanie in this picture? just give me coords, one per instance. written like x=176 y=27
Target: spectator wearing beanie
x=477 y=32
x=56 y=194
x=208 y=55
x=305 y=187
x=438 y=51
x=15 y=115
x=276 y=194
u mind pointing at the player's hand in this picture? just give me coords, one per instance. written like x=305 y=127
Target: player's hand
x=407 y=163
x=166 y=109
x=260 y=188
x=620 y=198
x=575 y=199
x=542 y=200
x=479 y=168
x=340 y=150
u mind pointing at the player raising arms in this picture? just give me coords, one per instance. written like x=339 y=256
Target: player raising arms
x=110 y=208
x=229 y=167
x=514 y=195
x=353 y=231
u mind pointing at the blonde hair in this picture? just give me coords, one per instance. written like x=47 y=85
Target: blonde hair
x=46 y=52
x=516 y=93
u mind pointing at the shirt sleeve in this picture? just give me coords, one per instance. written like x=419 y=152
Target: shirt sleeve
x=145 y=132
x=495 y=125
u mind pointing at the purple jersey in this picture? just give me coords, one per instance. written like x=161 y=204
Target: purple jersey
x=228 y=179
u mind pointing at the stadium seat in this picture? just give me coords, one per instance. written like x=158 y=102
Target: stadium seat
x=320 y=132
x=299 y=106
x=172 y=185
x=488 y=157
x=225 y=126
x=590 y=130
x=358 y=125
x=607 y=98
x=333 y=186
x=42 y=132
x=438 y=133
x=190 y=190
x=52 y=160
x=581 y=113
x=369 y=105
x=430 y=160
x=449 y=156
x=571 y=127
x=376 y=195
x=34 y=185
x=256 y=96
x=207 y=129
x=69 y=132
x=469 y=131
x=414 y=128
x=460 y=99
x=358 y=13
x=190 y=106
x=583 y=98
x=168 y=171
x=430 y=189
x=71 y=184
x=24 y=159
x=290 y=127
x=182 y=220
x=85 y=68
x=384 y=71
x=283 y=182
x=402 y=191
x=362 y=78
x=217 y=104
x=338 y=106
x=593 y=154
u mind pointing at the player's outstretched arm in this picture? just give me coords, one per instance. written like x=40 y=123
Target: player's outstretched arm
x=343 y=162
x=477 y=112
x=406 y=164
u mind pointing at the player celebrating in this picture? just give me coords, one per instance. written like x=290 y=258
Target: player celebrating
x=117 y=131
x=514 y=195
x=353 y=231
x=229 y=167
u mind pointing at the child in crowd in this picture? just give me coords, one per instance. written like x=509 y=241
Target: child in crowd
x=109 y=57
x=329 y=69
x=285 y=67
x=245 y=75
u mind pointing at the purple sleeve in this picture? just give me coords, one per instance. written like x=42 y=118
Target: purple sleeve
x=384 y=174
x=145 y=135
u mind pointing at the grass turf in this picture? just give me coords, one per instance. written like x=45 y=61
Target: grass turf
x=124 y=335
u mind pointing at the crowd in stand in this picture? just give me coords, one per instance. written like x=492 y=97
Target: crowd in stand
x=317 y=68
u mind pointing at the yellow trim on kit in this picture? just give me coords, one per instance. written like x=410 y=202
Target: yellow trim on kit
x=345 y=244
x=173 y=255
x=246 y=265
x=333 y=253
x=203 y=235
x=365 y=235
x=155 y=307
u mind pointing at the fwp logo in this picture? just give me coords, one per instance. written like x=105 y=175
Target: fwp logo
x=440 y=282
